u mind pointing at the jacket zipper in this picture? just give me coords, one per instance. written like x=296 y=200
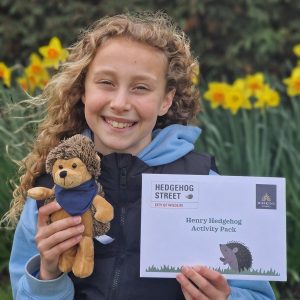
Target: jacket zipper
x=117 y=271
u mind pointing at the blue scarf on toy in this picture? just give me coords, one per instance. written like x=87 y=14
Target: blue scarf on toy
x=77 y=200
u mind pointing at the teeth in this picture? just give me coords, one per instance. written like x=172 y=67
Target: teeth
x=119 y=124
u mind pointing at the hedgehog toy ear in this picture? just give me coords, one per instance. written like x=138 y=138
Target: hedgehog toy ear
x=235 y=250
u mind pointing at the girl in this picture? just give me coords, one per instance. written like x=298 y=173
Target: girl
x=125 y=77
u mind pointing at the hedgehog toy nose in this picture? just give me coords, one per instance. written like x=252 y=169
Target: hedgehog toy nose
x=63 y=174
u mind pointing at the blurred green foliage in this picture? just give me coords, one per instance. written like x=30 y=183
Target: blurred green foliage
x=17 y=124
x=5 y=292
x=231 y=37
x=17 y=127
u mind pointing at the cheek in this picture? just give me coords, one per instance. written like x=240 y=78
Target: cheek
x=148 y=107
x=56 y=177
x=93 y=104
x=93 y=99
x=55 y=168
x=147 y=112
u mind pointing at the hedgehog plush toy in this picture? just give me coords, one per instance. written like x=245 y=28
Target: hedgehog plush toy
x=75 y=166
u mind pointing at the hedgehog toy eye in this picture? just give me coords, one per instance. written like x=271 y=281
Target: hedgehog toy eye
x=60 y=166
x=74 y=166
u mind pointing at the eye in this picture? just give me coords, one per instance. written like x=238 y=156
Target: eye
x=105 y=82
x=142 y=87
x=60 y=166
x=74 y=166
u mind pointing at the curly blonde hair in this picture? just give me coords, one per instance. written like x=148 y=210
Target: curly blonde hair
x=62 y=95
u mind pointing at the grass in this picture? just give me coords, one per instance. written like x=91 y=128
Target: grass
x=163 y=269
x=172 y=269
x=261 y=272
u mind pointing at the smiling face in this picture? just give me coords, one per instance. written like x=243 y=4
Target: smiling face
x=125 y=92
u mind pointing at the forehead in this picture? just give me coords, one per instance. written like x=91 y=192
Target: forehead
x=118 y=52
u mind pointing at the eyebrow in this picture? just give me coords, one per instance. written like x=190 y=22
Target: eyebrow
x=110 y=72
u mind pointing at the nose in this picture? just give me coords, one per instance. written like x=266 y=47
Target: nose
x=120 y=101
x=63 y=174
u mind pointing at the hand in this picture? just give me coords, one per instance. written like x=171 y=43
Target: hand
x=55 y=238
x=200 y=282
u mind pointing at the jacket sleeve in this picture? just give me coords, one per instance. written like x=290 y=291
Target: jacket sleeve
x=250 y=290
x=25 y=262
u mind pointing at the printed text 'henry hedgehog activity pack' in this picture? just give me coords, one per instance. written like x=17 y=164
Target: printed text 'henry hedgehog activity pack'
x=235 y=225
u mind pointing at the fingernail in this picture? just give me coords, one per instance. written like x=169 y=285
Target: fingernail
x=184 y=268
x=179 y=277
x=197 y=268
x=77 y=219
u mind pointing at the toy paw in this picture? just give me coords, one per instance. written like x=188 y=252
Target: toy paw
x=104 y=216
x=39 y=193
x=104 y=210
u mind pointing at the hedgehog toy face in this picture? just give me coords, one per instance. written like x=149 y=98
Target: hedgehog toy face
x=69 y=173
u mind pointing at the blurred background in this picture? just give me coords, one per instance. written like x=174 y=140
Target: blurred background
x=249 y=78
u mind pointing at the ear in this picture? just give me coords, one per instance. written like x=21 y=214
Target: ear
x=167 y=102
x=83 y=99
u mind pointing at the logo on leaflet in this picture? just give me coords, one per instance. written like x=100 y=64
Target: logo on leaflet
x=174 y=194
x=266 y=196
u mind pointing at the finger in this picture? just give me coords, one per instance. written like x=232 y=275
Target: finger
x=216 y=278
x=189 y=288
x=201 y=282
x=45 y=211
x=56 y=251
x=186 y=295
x=58 y=237
x=45 y=232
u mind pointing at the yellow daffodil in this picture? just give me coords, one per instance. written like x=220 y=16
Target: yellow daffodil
x=36 y=67
x=255 y=82
x=267 y=97
x=296 y=50
x=5 y=74
x=32 y=82
x=293 y=82
x=43 y=82
x=216 y=94
x=237 y=97
x=53 y=53
x=240 y=83
x=23 y=82
x=36 y=83
x=36 y=73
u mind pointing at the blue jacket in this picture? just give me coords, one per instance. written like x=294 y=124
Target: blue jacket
x=167 y=146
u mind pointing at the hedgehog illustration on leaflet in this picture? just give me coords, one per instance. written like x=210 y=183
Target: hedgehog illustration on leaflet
x=236 y=255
